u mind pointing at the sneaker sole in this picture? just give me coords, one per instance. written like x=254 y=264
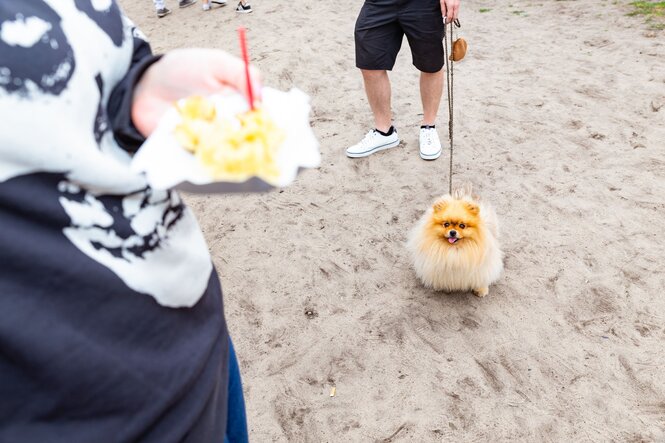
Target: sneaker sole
x=372 y=151
x=432 y=156
x=244 y=12
x=218 y=3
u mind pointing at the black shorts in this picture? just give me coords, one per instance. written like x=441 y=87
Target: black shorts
x=382 y=24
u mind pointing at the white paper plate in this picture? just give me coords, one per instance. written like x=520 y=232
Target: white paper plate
x=167 y=165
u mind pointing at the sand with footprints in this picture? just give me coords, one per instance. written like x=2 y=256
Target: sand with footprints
x=560 y=123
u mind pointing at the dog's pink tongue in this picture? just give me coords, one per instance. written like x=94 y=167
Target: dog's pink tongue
x=452 y=240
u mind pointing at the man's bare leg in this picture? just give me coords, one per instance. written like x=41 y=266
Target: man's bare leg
x=431 y=89
x=377 y=88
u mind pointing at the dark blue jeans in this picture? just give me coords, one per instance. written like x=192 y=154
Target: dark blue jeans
x=236 y=423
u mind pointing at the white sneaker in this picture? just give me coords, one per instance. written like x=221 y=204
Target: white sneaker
x=206 y=6
x=373 y=142
x=430 y=145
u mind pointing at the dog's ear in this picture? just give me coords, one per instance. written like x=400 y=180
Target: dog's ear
x=439 y=206
x=473 y=208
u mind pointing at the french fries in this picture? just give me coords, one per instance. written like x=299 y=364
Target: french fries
x=232 y=149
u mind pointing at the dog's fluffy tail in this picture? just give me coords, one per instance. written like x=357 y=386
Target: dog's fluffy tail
x=465 y=190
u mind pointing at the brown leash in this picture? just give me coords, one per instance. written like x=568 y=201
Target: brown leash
x=449 y=56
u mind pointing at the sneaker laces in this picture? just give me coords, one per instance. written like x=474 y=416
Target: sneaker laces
x=367 y=140
x=428 y=137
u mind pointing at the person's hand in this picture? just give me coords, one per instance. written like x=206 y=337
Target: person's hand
x=184 y=72
x=450 y=10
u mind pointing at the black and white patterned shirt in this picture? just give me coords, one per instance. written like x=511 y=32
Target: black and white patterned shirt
x=111 y=317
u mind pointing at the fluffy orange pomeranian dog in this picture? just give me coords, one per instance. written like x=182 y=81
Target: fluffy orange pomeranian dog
x=455 y=244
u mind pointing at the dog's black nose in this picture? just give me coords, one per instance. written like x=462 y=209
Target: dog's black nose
x=453 y=233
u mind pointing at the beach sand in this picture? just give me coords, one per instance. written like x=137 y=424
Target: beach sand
x=560 y=123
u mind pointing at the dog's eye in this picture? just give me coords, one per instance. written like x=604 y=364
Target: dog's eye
x=462 y=226
x=446 y=224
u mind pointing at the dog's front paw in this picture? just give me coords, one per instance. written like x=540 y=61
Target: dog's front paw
x=481 y=292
